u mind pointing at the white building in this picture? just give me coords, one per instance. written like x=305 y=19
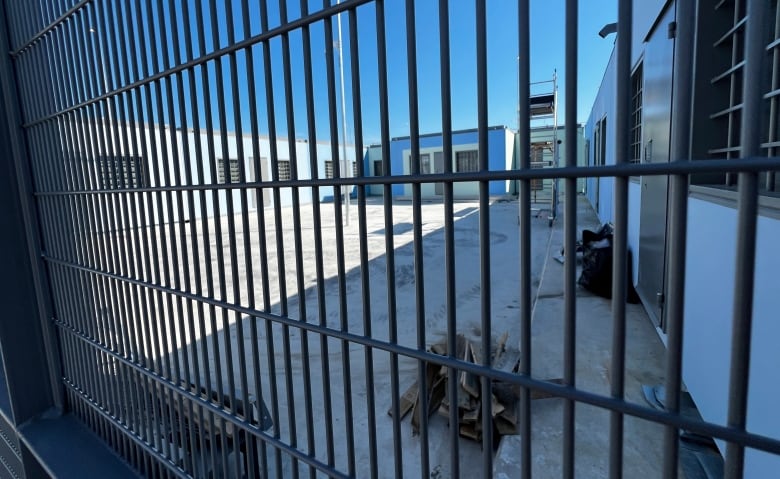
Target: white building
x=155 y=156
x=712 y=203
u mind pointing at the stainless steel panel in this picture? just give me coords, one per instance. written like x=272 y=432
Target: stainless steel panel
x=656 y=111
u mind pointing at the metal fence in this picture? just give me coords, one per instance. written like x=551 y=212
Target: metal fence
x=165 y=302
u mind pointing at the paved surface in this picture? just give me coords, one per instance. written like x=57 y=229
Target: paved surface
x=203 y=337
x=644 y=365
x=199 y=335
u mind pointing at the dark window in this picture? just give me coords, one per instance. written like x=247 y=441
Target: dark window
x=329 y=169
x=378 y=168
x=235 y=177
x=425 y=163
x=121 y=172
x=723 y=90
x=636 y=116
x=284 y=169
x=603 y=142
x=467 y=161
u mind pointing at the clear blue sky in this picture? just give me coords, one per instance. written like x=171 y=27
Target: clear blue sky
x=547 y=44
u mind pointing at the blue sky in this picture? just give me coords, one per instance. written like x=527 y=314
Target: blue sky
x=547 y=42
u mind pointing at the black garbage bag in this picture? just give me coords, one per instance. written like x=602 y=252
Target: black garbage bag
x=597 y=253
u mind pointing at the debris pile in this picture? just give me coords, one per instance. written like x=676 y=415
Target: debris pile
x=504 y=396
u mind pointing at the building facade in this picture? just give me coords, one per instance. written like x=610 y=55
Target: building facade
x=712 y=201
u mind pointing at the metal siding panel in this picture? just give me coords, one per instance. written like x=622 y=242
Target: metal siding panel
x=656 y=111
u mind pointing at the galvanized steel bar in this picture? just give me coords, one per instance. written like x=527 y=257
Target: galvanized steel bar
x=244 y=206
x=569 y=237
x=449 y=234
x=484 y=237
x=365 y=273
x=417 y=241
x=339 y=230
x=747 y=219
x=387 y=202
x=524 y=225
x=317 y=233
x=680 y=149
x=298 y=241
x=619 y=252
x=279 y=236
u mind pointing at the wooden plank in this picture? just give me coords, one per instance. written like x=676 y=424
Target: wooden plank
x=408 y=399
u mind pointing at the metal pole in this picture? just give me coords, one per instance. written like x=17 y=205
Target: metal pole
x=347 y=172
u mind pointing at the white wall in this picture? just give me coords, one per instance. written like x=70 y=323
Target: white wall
x=604 y=104
x=709 y=298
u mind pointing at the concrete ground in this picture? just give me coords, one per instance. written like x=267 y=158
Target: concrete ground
x=644 y=365
x=206 y=338
x=295 y=369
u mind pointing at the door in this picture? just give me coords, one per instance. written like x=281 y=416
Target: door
x=438 y=167
x=656 y=115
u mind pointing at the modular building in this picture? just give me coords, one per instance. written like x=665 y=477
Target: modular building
x=465 y=157
x=712 y=229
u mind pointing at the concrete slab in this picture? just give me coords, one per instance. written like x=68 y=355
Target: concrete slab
x=206 y=337
x=644 y=365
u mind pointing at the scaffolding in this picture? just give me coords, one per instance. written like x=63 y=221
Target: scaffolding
x=545 y=151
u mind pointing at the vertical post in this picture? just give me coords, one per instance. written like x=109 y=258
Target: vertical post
x=744 y=276
x=347 y=170
x=569 y=234
x=619 y=262
x=18 y=149
x=524 y=155
x=678 y=218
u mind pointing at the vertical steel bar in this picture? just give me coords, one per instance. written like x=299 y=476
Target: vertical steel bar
x=484 y=236
x=339 y=227
x=347 y=167
x=227 y=360
x=217 y=220
x=101 y=225
x=231 y=240
x=155 y=220
x=130 y=217
x=569 y=237
x=619 y=260
x=524 y=200
x=262 y=249
x=417 y=246
x=216 y=376
x=146 y=303
x=678 y=219
x=387 y=201
x=118 y=311
x=176 y=218
x=449 y=235
x=234 y=282
x=297 y=236
x=169 y=247
x=317 y=228
x=251 y=445
x=243 y=205
x=744 y=275
x=165 y=215
x=278 y=228
x=365 y=274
